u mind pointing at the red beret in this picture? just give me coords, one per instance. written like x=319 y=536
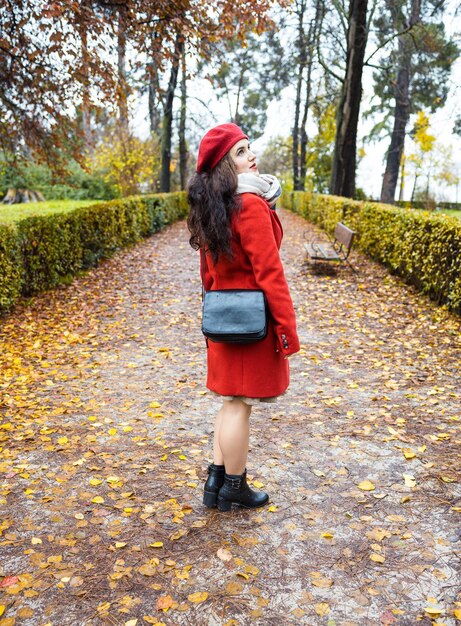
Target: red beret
x=216 y=143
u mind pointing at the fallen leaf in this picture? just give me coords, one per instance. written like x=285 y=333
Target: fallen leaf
x=8 y=581
x=321 y=608
x=433 y=611
x=199 y=596
x=233 y=588
x=410 y=481
x=224 y=554
x=377 y=558
x=164 y=603
x=366 y=485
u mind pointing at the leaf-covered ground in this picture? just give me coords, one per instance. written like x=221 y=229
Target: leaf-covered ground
x=106 y=433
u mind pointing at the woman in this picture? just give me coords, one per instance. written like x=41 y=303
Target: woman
x=231 y=216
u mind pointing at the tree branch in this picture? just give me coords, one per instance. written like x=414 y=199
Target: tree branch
x=394 y=36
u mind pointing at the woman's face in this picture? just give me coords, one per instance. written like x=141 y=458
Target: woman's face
x=243 y=158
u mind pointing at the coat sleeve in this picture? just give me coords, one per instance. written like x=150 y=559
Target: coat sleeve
x=253 y=226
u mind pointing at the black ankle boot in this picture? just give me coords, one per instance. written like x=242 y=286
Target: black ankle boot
x=236 y=491
x=213 y=484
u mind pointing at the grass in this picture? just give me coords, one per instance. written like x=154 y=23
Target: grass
x=452 y=212
x=11 y=213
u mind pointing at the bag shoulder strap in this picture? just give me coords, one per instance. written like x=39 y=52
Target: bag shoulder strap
x=202 y=269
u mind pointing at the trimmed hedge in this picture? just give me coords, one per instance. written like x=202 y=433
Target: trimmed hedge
x=422 y=247
x=44 y=251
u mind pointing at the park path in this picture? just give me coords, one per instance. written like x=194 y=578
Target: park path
x=106 y=433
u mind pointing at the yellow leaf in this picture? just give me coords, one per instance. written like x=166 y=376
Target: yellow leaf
x=79 y=516
x=251 y=569
x=410 y=481
x=366 y=485
x=272 y=509
x=457 y=613
x=2 y=609
x=98 y=500
x=233 y=588
x=103 y=607
x=112 y=431
x=62 y=440
x=8 y=621
x=95 y=482
x=113 y=479
x=377 y=558
x=127 y=429
x=155 y=405
x=327 y=535
x=35 y=541
x=152 y=620
x=322 y=583
x=131 y=622
x=156 y=544
x=447 y=479
x=243 y=575
x=408 y=453
x=198 y=597
x=318 y=473
x=120 y=544
x=322 y=608
x=148 y=569
x=433 y=611
x=258 y=484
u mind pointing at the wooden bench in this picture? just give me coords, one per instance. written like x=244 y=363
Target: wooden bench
x=337 y=249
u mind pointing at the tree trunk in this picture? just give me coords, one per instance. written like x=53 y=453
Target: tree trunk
x=122 y=94
x=86 y=107
x=153 y=90
x=311 y=40
x=85 y=75
x=401 y=111
x=182 y=125
x=167 y=125
x=402 y=177
x=344 y=157
x=298 y=184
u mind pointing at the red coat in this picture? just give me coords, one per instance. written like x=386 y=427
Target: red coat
x=257 y=370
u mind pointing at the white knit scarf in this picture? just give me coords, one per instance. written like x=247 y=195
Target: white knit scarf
x=264 y=185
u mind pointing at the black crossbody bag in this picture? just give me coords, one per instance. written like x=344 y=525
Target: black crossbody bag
x=233 y=315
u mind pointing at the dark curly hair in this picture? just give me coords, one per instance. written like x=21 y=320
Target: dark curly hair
x=212 y=200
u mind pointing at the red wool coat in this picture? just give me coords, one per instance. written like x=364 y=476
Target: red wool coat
x=257 y=370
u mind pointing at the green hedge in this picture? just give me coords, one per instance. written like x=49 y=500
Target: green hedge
x=44 y=251
x=422 y=247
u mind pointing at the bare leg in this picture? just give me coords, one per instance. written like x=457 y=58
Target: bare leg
x=232 y=435
x=218 y=458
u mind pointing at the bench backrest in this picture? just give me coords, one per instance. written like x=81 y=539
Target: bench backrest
x=344 y=236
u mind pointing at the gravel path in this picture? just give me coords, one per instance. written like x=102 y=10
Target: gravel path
x=106 y=433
